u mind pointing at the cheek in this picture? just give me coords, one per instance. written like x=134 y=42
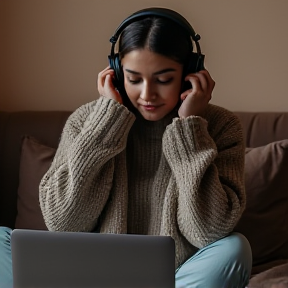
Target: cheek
x=131 y=91
x=174 y=94
x=174 y=101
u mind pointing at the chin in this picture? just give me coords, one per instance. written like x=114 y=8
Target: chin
x=152 y=117
x=157 y=115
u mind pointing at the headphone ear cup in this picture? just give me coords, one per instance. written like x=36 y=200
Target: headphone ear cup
x=119 y=76
x=195 y=63
x=118 y=80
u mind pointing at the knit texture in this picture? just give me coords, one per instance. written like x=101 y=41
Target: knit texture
x=117 y=173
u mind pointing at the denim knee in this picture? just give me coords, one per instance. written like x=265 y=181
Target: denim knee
x=224 y=263
x=238 y=247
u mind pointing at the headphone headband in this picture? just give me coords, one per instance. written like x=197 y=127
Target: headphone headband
x=194 y=63
x=159 y=12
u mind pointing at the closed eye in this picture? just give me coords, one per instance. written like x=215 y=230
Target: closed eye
x=137 y=81
x=165 y=81
x=134 y=81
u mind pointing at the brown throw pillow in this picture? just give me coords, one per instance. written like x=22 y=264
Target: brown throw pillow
x=35 y=160
x=264 y=222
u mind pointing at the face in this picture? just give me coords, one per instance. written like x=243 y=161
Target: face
x=152 y=82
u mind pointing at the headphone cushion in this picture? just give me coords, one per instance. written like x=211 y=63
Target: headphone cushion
x=115 y=64
x=195 y=63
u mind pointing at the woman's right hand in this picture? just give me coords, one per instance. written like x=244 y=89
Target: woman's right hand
x=106 y=87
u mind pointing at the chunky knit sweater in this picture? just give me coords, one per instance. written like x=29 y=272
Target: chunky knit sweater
x=117 y=173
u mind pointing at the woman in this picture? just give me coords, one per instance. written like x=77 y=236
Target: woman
x=153 y=157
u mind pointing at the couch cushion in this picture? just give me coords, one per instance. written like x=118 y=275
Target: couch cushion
x=34 y=162
x=264 y=222
x=271 y=278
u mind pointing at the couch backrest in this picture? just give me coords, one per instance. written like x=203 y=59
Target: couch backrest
x=264 y=127
x=260 y=129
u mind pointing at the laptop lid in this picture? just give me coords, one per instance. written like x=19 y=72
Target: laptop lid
x=45 y=259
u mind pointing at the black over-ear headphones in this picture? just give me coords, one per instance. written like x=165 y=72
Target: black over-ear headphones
x=196 y=61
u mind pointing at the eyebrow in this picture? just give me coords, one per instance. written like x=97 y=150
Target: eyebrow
x=156 y=73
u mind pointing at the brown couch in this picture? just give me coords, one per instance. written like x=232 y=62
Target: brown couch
x=27 y=145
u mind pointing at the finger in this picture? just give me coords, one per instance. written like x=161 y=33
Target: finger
x=204 y=81
x=111 y=90
x=108 y=84
x=102 y=76
x=105 y=71
x=210 y=83
x=185 y=94
x=195 y=82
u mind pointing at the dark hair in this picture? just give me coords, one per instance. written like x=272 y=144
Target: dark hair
x=159 y=35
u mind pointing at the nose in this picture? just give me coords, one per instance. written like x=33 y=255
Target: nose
x=148 y=92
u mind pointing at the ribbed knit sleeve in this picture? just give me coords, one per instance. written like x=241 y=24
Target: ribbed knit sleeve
x=75 y=189
x=208 y=166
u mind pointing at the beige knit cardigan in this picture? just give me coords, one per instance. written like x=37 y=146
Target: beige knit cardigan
x=118 y=173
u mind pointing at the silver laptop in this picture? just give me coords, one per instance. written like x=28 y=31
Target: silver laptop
x=43 y=259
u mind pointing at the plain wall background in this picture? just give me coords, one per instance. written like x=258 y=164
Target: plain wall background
x=52 y=50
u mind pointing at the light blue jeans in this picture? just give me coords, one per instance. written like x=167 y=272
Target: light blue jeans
x=224 y=263
x=5 y=258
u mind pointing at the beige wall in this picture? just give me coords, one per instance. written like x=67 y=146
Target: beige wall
x=52 y=50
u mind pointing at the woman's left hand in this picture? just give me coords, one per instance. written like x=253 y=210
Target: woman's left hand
x=196 y=99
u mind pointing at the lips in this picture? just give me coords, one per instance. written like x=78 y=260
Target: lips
x=150 y=107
